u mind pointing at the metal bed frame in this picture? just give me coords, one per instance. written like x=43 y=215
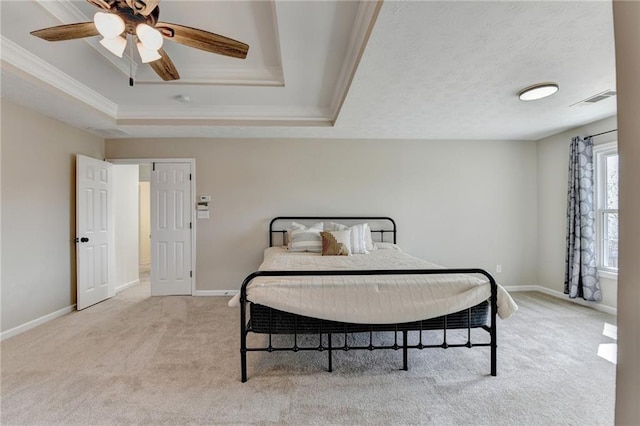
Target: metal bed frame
x=300 y=325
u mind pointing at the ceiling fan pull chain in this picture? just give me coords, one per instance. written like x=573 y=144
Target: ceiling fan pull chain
x=131 y=59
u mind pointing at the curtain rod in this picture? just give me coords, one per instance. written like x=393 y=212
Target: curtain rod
x=603 y=133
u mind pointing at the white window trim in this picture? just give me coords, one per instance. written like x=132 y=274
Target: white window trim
x=607 y=273
x=599 y=152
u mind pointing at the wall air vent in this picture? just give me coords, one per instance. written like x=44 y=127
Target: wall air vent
x=597 y=97
x=108 y=133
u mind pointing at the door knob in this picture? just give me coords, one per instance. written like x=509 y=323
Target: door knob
x=84 y=240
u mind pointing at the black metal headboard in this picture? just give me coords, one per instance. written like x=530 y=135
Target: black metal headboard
x=380 y=225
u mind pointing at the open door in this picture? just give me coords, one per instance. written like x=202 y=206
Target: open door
x=95 y=237
x=171 y=228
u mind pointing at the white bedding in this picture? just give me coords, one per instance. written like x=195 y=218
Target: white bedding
x=375 y=299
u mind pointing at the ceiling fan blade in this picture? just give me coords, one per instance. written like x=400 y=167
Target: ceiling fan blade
x=103 y=4
x=164 y=67
x=67 y=32
x=143 y=7
x=203 y=40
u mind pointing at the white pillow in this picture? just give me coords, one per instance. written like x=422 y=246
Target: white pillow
x=302 y=238
x=361 y=240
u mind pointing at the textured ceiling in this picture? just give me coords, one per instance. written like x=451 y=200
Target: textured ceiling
x=429 y=70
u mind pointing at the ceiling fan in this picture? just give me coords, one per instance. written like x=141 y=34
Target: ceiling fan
x=139 y=18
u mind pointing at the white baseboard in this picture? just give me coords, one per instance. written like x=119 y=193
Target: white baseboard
x=216 y=292
x=127 y=285
x=594 y=305
x=516 y=288
x=36 y=322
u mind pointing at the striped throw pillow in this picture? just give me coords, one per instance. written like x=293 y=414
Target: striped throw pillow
x=308 y=239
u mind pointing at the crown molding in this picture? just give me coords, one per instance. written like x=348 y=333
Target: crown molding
x=214 y=122
x=27 y=62
x=366 y=17
x=274 y=14
x=67 y=13
x=215 y=76
x=238 y=115
x=64 y=11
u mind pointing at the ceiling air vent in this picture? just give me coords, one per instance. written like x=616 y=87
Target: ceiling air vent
x=600 y=96
x=597 y=97
x=108 y=133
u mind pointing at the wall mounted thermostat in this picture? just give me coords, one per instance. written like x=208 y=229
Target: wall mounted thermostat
x=202 y=207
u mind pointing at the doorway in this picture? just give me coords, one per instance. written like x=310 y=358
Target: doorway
x=125 y=178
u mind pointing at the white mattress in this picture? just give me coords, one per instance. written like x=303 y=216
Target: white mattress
x=374 y=299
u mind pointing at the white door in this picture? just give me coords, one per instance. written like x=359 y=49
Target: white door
x=171 y=229
x=94 y=231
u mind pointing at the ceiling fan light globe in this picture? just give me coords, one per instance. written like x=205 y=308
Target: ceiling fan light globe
x=149 y=36
x=147 y=55
x=108 y=25
x=115 y=45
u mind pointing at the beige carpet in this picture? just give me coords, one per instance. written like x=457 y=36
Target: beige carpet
x=175 y=360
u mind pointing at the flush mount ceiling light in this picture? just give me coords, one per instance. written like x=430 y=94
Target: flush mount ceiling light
x=538 y=91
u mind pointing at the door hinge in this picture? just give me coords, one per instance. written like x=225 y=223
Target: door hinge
x=191 y=274
x=190 y=225
x=189 y=176
x=153 y=166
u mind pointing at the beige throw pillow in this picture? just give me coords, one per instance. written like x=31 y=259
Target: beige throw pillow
x=336 y=243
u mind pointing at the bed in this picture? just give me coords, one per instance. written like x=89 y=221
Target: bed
x=376 y=288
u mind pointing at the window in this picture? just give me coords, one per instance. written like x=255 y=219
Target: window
x=606 y=192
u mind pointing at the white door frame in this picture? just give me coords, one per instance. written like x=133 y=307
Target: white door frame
x=192 y=162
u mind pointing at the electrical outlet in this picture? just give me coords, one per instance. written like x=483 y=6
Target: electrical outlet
x=498 y=269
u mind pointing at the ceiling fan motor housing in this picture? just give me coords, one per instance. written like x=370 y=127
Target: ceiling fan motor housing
x=132 y=19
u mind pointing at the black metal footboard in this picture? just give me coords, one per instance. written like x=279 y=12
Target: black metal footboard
x=299 y=325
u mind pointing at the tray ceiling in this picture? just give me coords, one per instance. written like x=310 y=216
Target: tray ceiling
x=326 y=69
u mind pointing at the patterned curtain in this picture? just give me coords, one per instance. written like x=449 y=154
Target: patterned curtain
x=581 y=275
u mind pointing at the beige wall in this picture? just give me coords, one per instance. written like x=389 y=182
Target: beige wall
x=627 y=33
x=457 y=203
x=553 y=161
x=38 y=213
